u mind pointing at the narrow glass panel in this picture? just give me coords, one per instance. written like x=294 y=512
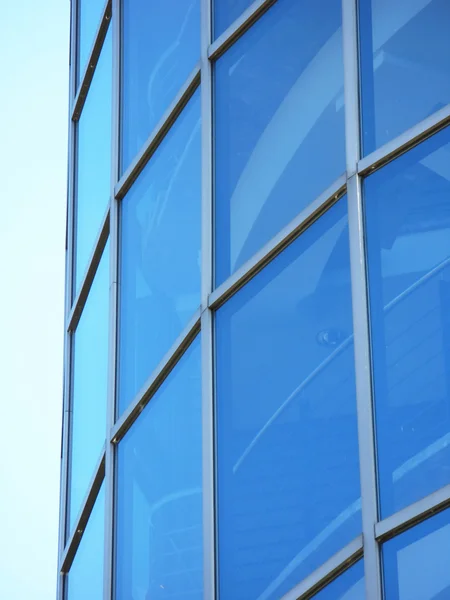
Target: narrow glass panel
x=89 y=17
x=348 y=586
x=94 y=161
x=160 y=253
x=416 y=563
x=85 y=578
x=161 y=46
x=407 y=207
x=287 y=448
x=227 y=11
x=279 y=125
x=159 y=493
x=405 y=53
x=90 y=382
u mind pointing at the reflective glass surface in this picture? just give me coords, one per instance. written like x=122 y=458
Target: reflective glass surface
x=90 y=382
x=287 y=449
x=407 y=206
x=89 y=18
x=279 y=125
x=160 y=253
x=161 y=46
x=405 y=53
x=85 y=578
x=227 y=11
x=348 y=586
x=416 y=563
x=159 y=501
x=94 y=161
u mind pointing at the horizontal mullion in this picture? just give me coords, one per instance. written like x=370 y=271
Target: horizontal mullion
x=155 y=380
x=159 y=133
x=278 y=243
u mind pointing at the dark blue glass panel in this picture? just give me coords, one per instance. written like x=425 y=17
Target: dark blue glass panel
x=407 y=206
x=161 y=46
x=90 y=383
x=159 y=495
x=227 y=11
x=85 y=578
x=160 y=253
x=89 y=18
x=279 y=125
x=416 y=563
x=405 y=53
x=287 y=449
x=348 y=586
x=94 y=161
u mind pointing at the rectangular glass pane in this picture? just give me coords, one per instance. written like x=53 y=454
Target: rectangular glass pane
x=407 y=206
x=348 y=586
x=159 y=495
x=160 y=252
x=279 y=125
x=287 y=447
x=405 y=57
x=161 y=46
x=416 y=563
x=227 y=11
x=89 y=17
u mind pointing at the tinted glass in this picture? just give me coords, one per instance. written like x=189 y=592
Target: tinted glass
x=161 y=46
x=89 y=17
x=288 y=475
x=160 y=256
x=85 y=579
x=407 y=207
x=416 y=563
x=94 y=161
x=348 y=586
x=405 y=53
x=90 y=382
x=279 y=125
x=227 y=11
x=159 y=512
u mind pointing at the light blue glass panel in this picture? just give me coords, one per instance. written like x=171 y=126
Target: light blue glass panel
x=416 y=563
x=161 y=46
x=407 y=206
x=405 y=53
x=159 y=496
x=279 y=125
x=227 y=11
x=94 y=161
x=348 y=586
x=85 y=578
x=160 y=253
x=89 y=18
x=90 y=382
x=287 y=448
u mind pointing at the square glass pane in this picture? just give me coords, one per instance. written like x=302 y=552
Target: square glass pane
x=287 y=447
x=404 y=58
x=161 y=46
x=226 y=12
x=348 y=586
x=279 y=125
x=416 y=563
x=407 y=206
x=90 y=387
x=89 y=17
x=159 y=552
x=160 y=252
x=94 y=161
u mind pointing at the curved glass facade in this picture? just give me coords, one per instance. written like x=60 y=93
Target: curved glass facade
x=257 y=355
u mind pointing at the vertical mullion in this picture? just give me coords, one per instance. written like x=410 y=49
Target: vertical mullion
x=366 y=435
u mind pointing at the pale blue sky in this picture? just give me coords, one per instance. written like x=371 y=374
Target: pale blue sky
x=33 y=155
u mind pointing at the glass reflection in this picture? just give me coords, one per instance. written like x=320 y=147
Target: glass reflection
x=89 y=17
x=407 y=206
x=405 y=53
x=226 y=12
x=161 y=45
x=287 y=449
x=90 y=383
x=416 y=562
x=279 y=125
x=159 y=511
x=160 y=253
x=348 y=586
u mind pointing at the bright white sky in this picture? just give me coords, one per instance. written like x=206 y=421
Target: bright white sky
x=33 y=154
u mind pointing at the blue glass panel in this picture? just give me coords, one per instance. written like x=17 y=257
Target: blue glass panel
x=287 y=449
x=279 y=125
x=416 y=563
x=89 y=16
x=94 y=161
x=90 y=382
x=407 y=207
x=160 y=253
x=227 y=11
x=159 y=501
x=85 y=578
x=405 y=53
x=161 y=46
x=348 y=586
